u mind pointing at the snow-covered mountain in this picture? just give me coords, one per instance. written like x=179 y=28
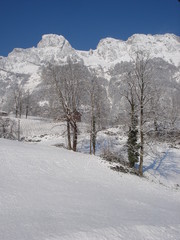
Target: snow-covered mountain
x=111 y=51
x=24 y=64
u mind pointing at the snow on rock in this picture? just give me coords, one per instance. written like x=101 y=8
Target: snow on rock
x=47 y=193
x=112 y=49
x=33 y=81
x=54 y=47
x=53 y=40
x=163 y=46
x=43 y=103
x=177 y=77
x=109 y=52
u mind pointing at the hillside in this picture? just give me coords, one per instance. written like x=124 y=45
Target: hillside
x=47 y=193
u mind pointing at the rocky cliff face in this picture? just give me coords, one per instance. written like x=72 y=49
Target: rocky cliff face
x=108 y=59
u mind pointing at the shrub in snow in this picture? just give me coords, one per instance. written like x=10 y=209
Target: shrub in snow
x=7 y=128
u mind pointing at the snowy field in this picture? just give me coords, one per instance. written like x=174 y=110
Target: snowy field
x=49 y=132
x=161 y=164
x=49 y=193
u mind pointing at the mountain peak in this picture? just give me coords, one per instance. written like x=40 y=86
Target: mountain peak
x=108 y=41
x=52 y=40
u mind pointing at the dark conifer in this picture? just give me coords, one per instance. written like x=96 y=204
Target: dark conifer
x=133 y=146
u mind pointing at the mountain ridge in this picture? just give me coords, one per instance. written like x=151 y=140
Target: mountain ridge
x=54 y=40
x=24 y=65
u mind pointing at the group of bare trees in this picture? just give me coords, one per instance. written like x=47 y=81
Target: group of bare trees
x=96 y=102
x=74 y=87
x=138 y=92
x=149 y=103
x=21 y=100
x=67 y=82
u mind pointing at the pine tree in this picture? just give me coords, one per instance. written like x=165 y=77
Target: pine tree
x=133 y=146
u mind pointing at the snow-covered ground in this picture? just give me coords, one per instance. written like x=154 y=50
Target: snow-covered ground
x=164 y=168
x=161 y=164
x=50 y=193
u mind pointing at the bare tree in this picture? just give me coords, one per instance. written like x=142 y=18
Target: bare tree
x=142 y=76
x=129 y=93
x=172 y=112
x=66 y=80
x=26 y=100
x=155 y=110
x=92 y=89
x=97 y=106
x=18 y=99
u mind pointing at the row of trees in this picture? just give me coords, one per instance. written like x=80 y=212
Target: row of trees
x=138 y=92
x=149 y=103
x=21 y=100
x=72 y=89
x=77 y=89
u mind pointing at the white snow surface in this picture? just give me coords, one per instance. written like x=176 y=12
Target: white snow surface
x=48 y=193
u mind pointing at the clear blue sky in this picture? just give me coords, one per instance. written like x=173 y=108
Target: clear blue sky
x=83 y=22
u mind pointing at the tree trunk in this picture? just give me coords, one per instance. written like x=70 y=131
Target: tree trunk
x=74 y=137
x=94 y=134
x=19 y=129
x=16 y=111
x=131 y=165
x=27 y=110
x=69 y=135
x=141 y=153
x=90 y=143
x=20 y=109
x=141 y=132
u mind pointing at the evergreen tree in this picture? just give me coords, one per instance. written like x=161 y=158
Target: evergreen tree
x=133 y=146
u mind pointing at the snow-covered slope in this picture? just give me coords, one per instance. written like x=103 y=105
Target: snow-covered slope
x=47 y=193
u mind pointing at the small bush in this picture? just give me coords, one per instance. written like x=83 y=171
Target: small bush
x=7 y=128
